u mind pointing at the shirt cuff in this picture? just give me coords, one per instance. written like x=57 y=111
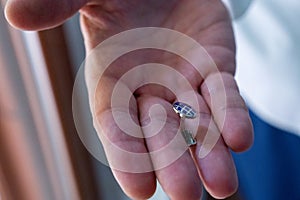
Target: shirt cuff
x=237 y=8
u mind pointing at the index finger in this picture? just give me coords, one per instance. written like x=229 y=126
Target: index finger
x=123 y=144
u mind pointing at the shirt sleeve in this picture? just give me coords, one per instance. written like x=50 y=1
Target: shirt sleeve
x=237 y=8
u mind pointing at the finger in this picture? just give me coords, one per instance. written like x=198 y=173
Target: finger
x=211 y=155
x=174 y=166
x=40 y=14
x=229 y=111
x=217 y=170
x=122 y=141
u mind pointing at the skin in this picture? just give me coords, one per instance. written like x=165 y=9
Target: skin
x=207 y=22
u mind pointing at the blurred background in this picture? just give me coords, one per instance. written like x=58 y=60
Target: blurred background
x=41 y=155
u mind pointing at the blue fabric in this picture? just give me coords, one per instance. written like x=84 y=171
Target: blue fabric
x=270 y=170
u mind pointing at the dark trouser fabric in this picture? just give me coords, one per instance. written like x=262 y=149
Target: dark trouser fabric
x=270 y=170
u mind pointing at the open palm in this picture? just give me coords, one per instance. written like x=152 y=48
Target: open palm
x=207 y=22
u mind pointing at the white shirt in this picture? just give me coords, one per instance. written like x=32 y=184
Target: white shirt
x=268 y=60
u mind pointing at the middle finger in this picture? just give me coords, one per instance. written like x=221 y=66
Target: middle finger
x=175 y=168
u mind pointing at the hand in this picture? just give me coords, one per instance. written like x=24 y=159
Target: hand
x=205 y=21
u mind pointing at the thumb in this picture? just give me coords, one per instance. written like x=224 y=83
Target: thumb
x=40 y=14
